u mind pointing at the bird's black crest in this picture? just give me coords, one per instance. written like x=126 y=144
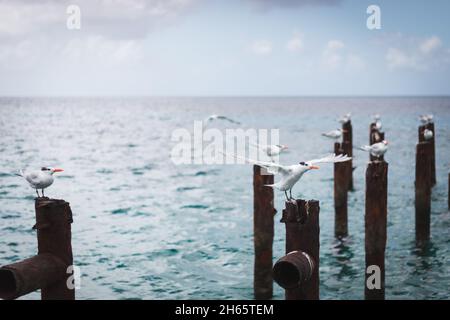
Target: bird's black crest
x=302 y=163
x=45 y=169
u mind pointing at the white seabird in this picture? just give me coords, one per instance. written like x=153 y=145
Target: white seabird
x=39 y=179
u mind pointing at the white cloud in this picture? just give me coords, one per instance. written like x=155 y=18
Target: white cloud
x=109 y=18
x=355 y=62
x=431 y=44
x=417 y=54
x=332 y=55
x=295 y=44
x=397 y=58
x=98 y=50
x=262 y=47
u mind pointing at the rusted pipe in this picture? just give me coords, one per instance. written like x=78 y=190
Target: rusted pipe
x=302 y=234
x=423 y=192
x=24 y=277
x=263 y=226
x=376 y=223
x=293 y=270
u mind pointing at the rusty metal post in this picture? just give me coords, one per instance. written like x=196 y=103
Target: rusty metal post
x=423 y=192
x=53 y=225
x=302 y=234
x=48 y=270
x=263 y=226
x=340 y=195
x=375 y=223
x=348 y=149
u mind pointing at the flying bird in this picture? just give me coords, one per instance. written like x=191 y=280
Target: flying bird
x=220 y=117
x=346 y=118
x=377 y=149
x=272 y=150
x=334 y=134
x=426 y=118
x=428 y=134
x=39 y=179
x=290 y=175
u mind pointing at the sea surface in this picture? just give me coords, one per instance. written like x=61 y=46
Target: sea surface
x=145 y=228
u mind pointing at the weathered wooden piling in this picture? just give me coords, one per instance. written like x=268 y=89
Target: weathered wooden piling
x=423 y=192
x=375 y=225
x=430 y=126
x=347 y=138
x=341 y=178
x=263 y=226
x=48 y=270
x=302 y=235
x=449 y=190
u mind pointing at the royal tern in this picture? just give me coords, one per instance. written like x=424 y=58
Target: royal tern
x=219 y=117
x=334 y=134
x=428 y=134
x=376 y=117
x=346 y=118
x=272 y=150
x=39 y=179
x=377 y=149
x=426 y=118
x=291 y=174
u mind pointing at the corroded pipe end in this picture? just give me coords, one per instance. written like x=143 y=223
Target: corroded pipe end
x=294 y=269
x=26 y=276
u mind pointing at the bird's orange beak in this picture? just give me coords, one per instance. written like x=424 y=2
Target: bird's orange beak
x=58 y=170
x=314 y=167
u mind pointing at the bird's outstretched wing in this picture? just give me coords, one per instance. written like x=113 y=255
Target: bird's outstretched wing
x=270 y=166
x=332 y=158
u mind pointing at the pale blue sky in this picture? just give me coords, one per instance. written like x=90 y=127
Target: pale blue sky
x=248 y=47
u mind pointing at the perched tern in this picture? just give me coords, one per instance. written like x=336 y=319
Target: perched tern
x=290 y=175
x=334 y=134
x=377 y=149
x=376 y=117
x=428 y=134
x=346 y=118
x=272 y=150
x=219 y=117
x=39 y=179
x=426 y=118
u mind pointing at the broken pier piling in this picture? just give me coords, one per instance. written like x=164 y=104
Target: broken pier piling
x=298 y=271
